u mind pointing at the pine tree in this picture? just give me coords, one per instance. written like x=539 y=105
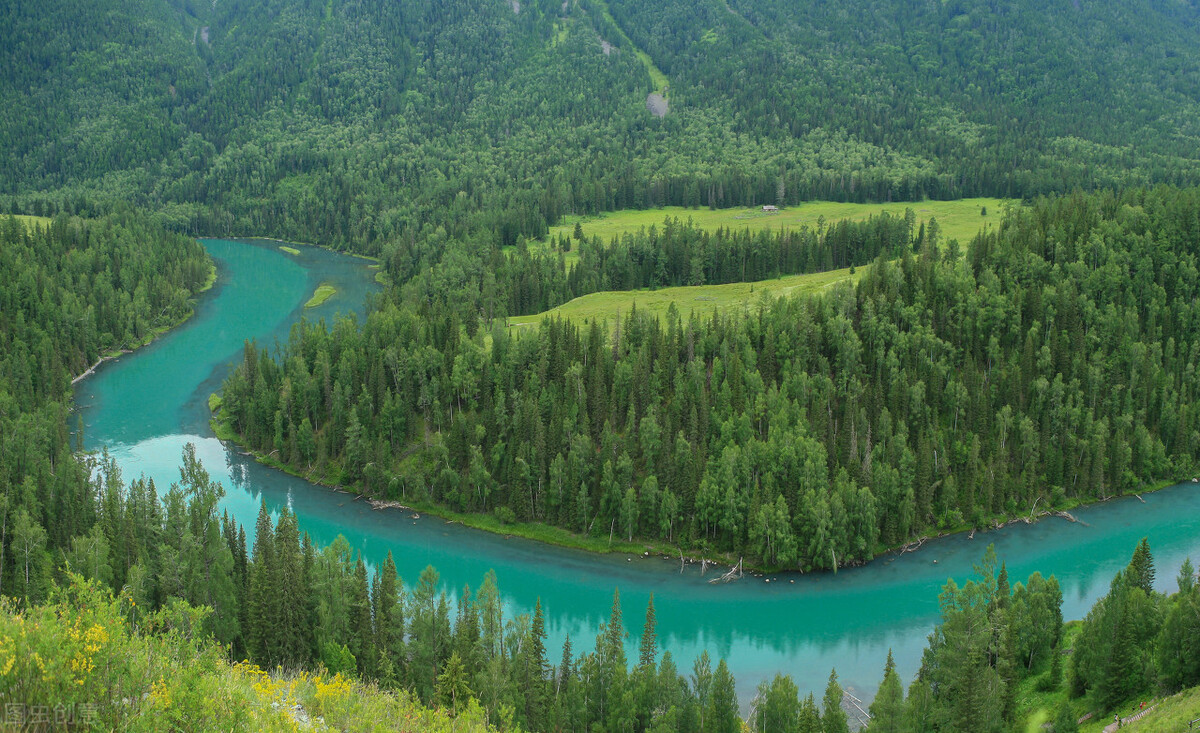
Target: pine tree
x=294 y=631
x=429 y=632
x=648 y=647
x=1186 y=579
x=833 y=718
x=362 y=632
x=1141 y=568
x=261 y=640
x=453 y=688
x=887 y=709
x=722 y=702
x=810 y=717
x=539 y=668
x=389 y=623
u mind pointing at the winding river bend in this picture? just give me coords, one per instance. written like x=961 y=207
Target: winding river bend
x=145 y=406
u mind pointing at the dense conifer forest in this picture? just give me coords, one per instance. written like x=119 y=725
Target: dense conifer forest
x=1049 y=361
x=383 y=126
x=73 y=291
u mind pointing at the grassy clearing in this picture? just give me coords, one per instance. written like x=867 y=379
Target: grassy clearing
x=560 y=33
x=1173 y=713
x=323 y=293
x=959 y=219
x=290 y=250
x=701 y=299
x=657 y=77
x=32 y=221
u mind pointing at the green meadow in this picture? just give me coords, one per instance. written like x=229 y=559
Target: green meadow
x=31 y=221
x=960 y=219
x=700 y=299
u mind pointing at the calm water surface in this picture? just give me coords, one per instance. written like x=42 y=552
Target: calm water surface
x=145 y=406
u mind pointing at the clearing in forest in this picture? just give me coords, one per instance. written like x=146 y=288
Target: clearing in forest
x=960 y=219
x=657 y=77
x=699 y=299
x=32 y=221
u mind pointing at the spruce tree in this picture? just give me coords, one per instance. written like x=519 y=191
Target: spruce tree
x=1141 y=568
x=833 y=718
x=810 y=717
x=362 y=632
x=261 y=593
x=722 y=702
x=648 y=647
x=887 y=709
x=389 y=622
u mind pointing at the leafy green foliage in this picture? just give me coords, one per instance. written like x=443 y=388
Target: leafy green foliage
x=1047 y=365
x=400 y=127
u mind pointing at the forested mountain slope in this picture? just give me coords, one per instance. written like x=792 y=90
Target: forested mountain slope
x=363 y=123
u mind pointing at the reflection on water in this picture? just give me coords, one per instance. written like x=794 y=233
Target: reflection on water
x=146 y=406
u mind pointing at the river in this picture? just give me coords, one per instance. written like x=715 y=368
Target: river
x=145 y=406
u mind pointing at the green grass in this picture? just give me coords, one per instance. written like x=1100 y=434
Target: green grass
x=560 y=33
x=701 y=299
x=657 y=77
x=958 y=219
x=290 y=250
x=323 y=293
x=1173 y=713
x=210 y=280
x=32 y=221
x=1035 y=722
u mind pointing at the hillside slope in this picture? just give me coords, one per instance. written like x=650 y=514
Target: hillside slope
x=356 y=123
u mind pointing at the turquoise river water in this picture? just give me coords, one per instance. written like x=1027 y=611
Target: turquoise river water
x=145 y=406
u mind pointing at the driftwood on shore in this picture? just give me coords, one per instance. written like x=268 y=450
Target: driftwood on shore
x=1071 y=518
x=734 y=573
x=377 y=504
x=92 y=369
x=850 y=701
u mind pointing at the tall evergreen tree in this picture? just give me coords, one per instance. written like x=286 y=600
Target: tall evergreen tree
x=833 y=718
x=887 y=709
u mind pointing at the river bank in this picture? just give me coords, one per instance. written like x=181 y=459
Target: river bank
x=155 y=333
x=144 y=409
x=285 y=245
x=614 y=545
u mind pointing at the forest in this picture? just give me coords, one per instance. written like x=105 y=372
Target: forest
x=684 y=254
x=73 y=291
x=398 y=127
x=1051 y=361
x=1048 y=362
